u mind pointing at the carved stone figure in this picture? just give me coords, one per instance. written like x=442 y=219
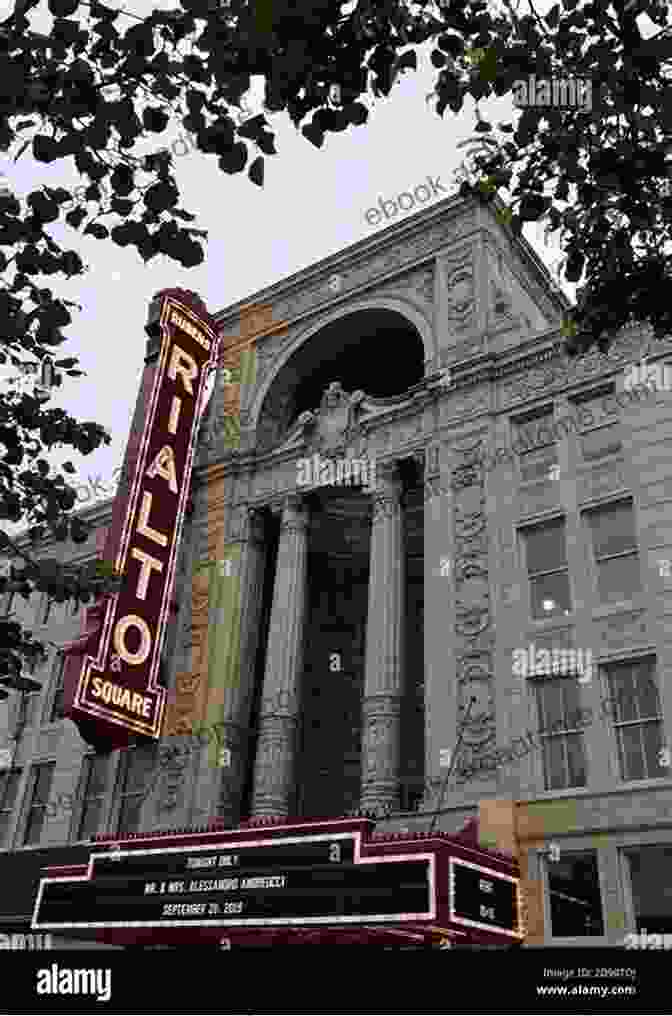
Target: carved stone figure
x=331 y=427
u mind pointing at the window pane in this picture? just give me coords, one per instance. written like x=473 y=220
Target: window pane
x=554 y=763
x=574 y=889
x=571 y=702
x=549 y=702
x=58 y=675
x=619 y=578
x=546 y=548
x=576 y=760
x=649 y=872
x=652 y=735
x=630 y=752
x=45 y=774
x=613 y=529
x=647 y=692
x=622 y=693
x=596 y=444
x=550 y=596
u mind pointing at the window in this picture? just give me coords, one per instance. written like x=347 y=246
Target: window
x=93 y=784
x=9 y=788
x=574 y=896
x=547 y=570
x=598 y=440
x=649 y=881
x=58 y=678
x=561 y=730
x=43 y=776
x=636 y=713
x=138 y=766
x=534 y=437
x=615 y=552
x=28 y=704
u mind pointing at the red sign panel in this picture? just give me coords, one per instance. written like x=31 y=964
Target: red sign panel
x=120 y=684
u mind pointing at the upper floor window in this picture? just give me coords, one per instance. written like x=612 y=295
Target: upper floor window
x=561 y=728
x=546 y=554
x=58 y=688
x=138 y=766
x=9 y=788
x=615 y=551
x=599 y=437
x=94 y=784
x=43 y=776
x=534 y=441
x=637 y=716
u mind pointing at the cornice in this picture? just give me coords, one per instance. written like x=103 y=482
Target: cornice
x=380 y=242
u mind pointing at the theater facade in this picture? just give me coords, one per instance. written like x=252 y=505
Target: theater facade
x=345 y=639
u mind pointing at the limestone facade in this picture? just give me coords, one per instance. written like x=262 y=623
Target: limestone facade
x=343 y=640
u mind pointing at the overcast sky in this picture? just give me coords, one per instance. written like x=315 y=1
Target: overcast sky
x=313 y=204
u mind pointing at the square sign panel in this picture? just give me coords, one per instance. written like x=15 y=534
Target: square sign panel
x=483 y=898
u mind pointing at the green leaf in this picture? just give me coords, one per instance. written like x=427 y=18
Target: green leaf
x=256 y=172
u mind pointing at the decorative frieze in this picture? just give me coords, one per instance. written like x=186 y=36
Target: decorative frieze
x=473 y=615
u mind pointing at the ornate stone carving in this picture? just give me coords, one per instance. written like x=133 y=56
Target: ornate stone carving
x=369 y=267
x=174 y=762
x=295 y=517
x=380 y=750
x=276 y=746
x=331 y=427
x=473 y=617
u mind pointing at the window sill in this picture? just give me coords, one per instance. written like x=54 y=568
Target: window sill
x=618 y=787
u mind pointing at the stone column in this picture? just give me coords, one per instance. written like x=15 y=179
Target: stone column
x=234 y=643
x=276 y=745
x=383 y=684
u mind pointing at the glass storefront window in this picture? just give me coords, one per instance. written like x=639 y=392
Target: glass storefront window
x=651 y=886
x=574 y=894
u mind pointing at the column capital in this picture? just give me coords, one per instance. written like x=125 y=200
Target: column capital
x=254 y=525
x=294 y=512
x=386 y=498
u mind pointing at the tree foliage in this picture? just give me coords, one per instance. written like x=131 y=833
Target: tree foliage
x=103 y=80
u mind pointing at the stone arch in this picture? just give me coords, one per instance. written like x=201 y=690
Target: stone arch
x=408 y=316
